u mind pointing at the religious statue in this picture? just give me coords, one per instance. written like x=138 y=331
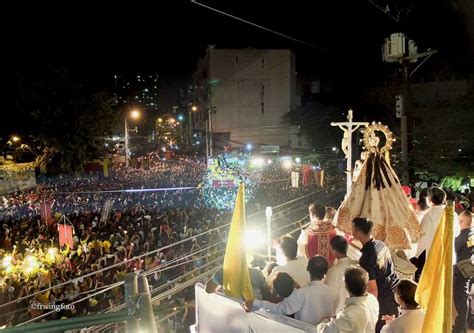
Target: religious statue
x=377 y=194
x=345 y=141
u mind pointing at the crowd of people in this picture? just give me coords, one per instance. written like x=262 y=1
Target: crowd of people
x=141 y=218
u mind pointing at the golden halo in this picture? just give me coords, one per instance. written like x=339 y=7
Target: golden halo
x=371 y=129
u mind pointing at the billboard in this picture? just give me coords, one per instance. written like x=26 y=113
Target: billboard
x=16 y=177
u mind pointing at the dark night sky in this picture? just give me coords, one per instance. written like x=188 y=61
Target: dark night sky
x=169 y=37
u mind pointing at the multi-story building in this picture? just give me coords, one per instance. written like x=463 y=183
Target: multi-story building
x=137 y=90
x=248 y=92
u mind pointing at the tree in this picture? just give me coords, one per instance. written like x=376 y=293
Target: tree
x=60 y=112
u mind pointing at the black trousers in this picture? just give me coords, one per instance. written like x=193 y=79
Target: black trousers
x=388 y=306
x=460 y=295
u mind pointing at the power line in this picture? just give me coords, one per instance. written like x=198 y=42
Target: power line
x=259 y=26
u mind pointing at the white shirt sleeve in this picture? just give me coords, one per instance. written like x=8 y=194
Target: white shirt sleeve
x=422 y=243
x=289 y=305
x=331 y=278
x=342 y=324
x=302 y=242
x=386 y=329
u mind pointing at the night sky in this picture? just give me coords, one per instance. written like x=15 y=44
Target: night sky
x=169 y=37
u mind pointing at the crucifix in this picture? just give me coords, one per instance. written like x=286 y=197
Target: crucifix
x=348 y=127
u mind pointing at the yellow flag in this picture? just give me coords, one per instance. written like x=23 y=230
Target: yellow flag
x=236 y=271
x=435 y=289
x=105 y=166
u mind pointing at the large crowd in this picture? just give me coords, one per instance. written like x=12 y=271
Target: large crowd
x=141 y=218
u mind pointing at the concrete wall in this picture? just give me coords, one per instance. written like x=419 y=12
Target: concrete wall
x=251 y=91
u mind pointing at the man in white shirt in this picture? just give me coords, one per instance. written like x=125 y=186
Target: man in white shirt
x=429 y=224
x=411 y=317
x=295 y=265
x=361 y=312
x=335 y=276
x=431 y=219
x=311 y=303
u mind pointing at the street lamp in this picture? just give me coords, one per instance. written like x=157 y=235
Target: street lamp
x=268 y=214
x=194 y=108
x=15 y=138
x=134 y=114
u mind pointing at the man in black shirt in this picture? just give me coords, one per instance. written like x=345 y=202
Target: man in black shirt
x=464 y=246
x=377 y=261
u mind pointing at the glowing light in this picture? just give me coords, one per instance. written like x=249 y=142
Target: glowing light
x=135 y=114
x=248 y=146
x=6 y=261
x=287 y=164
x=254 y=239
x=257 y=162
x=163 y=149
x=172 y=120
x=15 y=138
x=160 y=120
x=298 y=160
x=334 y=148
x=269 y=162
x=194 y=108
x=180 y=117
x=31 y=264
x=197 y=142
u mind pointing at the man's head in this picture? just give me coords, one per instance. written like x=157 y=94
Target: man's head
x=316 y=212
x=361 y=228
x=436 y=196
x=338 y=246
x=405 y=294
x=317 y=267
x=356 y=280
x=283 y=284
x=465 y=219
x=289 y=247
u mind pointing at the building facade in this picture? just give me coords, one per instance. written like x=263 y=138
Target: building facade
x=248 y=92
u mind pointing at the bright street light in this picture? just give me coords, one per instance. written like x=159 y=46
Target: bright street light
x=160 y=120
x=15 y=138
x=194 y=108
x=134 y=114
x=180 y=117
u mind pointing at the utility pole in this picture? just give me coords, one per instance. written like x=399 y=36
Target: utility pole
x=126 y=143
x=395 y=50
x=207 y=142
x=348 y=127
x=404 y=123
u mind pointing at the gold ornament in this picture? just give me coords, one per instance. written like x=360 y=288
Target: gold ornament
x=371 y=141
